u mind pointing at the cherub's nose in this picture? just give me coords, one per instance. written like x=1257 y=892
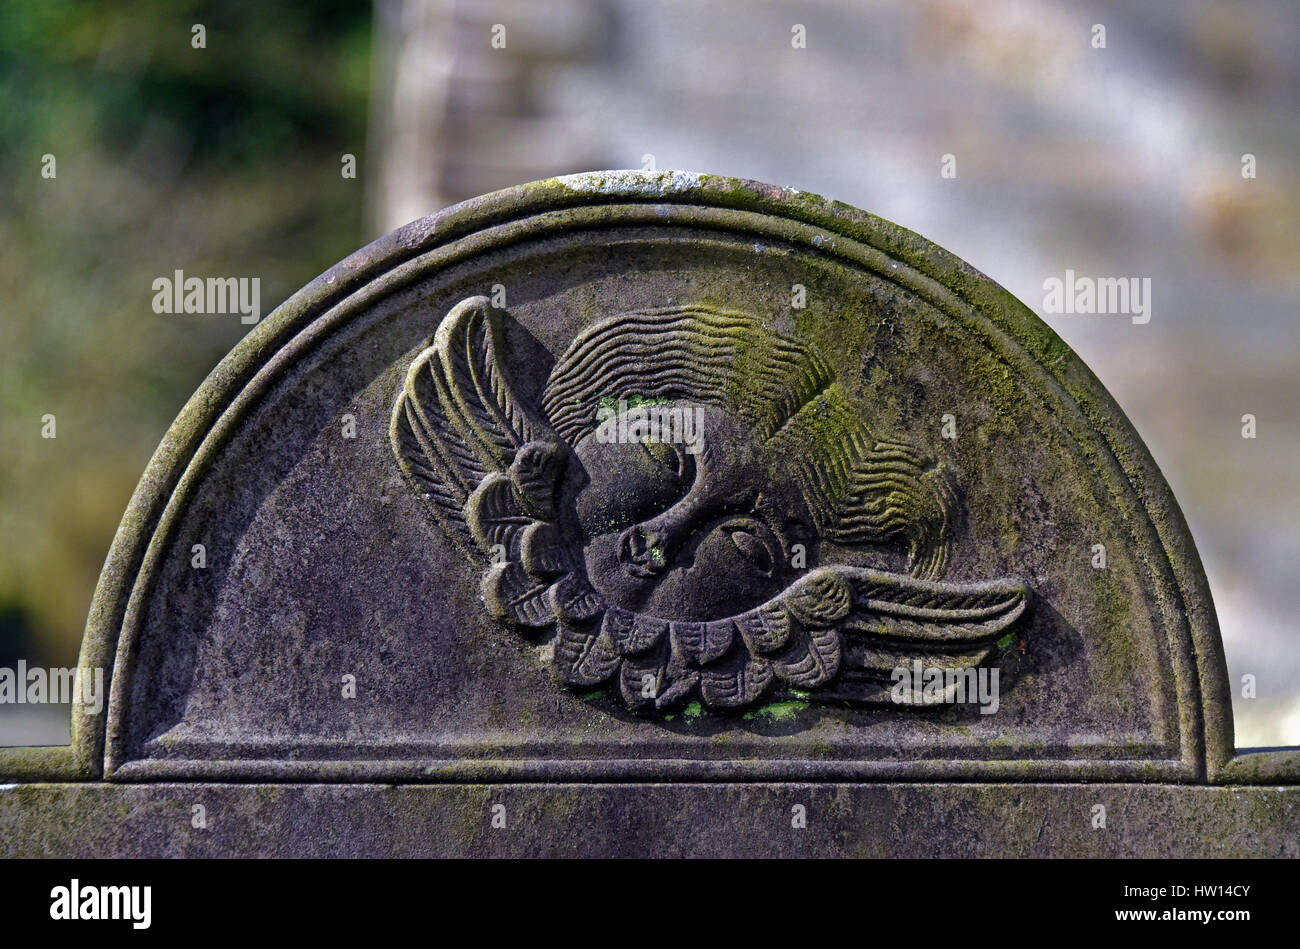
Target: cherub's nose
x=646 y=549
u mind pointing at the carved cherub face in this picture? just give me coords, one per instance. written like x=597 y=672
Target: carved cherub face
x=687 y=519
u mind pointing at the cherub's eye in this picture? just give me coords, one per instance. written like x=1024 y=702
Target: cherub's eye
x=669 y=456
x=755 y=544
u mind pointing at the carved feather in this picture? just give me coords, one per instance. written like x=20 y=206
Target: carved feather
x=933 y=612
x=813 y=659
x=473 y=450
x=584 y=655
x=488 y=469
x=842 y=620
x=509 y=593
x=736 y=682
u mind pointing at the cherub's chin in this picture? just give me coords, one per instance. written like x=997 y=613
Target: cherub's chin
x=611 y=581
x=686 y=594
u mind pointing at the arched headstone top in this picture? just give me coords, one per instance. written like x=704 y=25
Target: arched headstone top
x=654 y=475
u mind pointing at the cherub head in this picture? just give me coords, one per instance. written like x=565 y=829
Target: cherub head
x=715 y=456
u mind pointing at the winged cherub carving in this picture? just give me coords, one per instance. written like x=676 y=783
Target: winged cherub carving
x=711 y=565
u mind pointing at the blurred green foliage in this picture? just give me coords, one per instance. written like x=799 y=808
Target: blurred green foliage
x=223 y=161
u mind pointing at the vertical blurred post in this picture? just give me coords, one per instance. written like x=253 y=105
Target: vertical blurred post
x=411 y=76
x=471 y=97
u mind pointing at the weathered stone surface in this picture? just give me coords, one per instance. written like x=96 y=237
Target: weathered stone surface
x=659 y=820
x=423 y=477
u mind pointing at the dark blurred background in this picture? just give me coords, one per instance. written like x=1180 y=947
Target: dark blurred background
x=1122 y=161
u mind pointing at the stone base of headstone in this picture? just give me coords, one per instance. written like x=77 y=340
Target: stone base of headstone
x=650 y=820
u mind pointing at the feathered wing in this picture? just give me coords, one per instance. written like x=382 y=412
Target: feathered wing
x=488 y=468
x=898 y=620
x=838 y=631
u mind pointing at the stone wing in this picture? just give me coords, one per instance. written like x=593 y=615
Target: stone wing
x=488 y=468
x=887 y=621
x=838 y=632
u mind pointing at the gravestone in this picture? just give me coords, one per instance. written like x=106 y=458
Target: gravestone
x=665 y=507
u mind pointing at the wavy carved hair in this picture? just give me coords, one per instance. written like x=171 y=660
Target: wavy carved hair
x=859 y=489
